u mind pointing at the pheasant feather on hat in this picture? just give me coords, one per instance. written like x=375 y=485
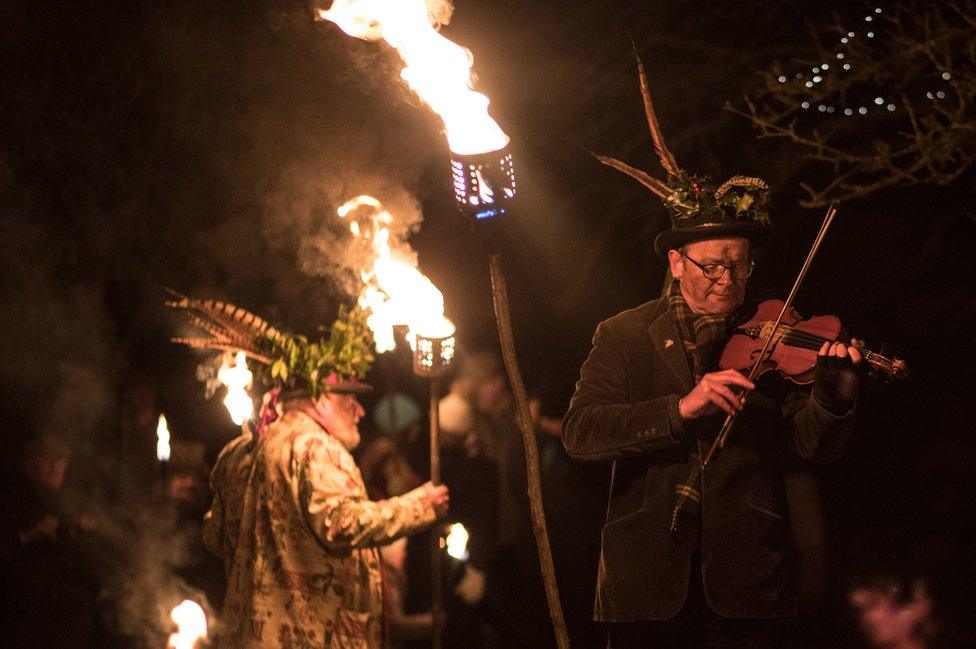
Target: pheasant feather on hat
x=699 y=210
x=336 y=362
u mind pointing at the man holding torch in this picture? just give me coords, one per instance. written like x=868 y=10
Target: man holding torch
x=695 y=557
x=290 y=516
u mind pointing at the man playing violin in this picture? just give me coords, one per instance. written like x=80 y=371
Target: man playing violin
x=692 y=556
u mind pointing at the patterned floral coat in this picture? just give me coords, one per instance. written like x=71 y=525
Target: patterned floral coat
x=299 y=537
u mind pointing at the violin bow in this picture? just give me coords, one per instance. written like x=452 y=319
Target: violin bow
x=723 y=434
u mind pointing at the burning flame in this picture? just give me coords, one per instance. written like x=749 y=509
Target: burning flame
x=162 y=439
x=435 y=68
x=394 y=290
x=457 y=542
x=191 y=623
x=237 y=378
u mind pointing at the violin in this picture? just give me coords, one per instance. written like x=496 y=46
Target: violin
x=793 y=350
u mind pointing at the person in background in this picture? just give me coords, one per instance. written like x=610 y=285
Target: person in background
x=387 y=472
x=44 y=564
x=186 y=496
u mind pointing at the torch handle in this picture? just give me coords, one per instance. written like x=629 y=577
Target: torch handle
x=436 y=594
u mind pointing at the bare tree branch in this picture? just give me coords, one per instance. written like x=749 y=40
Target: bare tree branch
x=840 y=106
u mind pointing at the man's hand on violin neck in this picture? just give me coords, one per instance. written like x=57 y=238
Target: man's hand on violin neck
x=714 y=393
x=840 y=350
x=836 y=377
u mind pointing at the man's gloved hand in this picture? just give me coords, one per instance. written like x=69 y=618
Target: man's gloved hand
x=835 y=377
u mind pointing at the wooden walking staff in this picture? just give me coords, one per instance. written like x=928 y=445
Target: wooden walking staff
x=432 y=357
x=499 y=291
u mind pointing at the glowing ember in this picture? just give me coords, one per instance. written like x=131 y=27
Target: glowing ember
x=437 y=69
x=162 y=440
x=394 y=290
x=457 y=542
x=237 y=378
x=191 y=623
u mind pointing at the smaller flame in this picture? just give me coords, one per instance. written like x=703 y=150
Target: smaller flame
x=237 y=378
x=457 y=542
x=394 y=291
x=162 y=439
x=191 y=623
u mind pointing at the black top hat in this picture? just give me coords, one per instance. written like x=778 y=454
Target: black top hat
x=738 y=207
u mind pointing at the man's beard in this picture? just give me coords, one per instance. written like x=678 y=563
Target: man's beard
x=348 y=436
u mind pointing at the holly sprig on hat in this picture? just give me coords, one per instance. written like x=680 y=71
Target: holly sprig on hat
x=345 y=350
x=740 y=198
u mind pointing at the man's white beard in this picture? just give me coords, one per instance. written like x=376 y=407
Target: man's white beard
x=349 y=437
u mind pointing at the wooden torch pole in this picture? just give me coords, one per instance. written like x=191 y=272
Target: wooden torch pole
x=499 y=290
x=436 y=593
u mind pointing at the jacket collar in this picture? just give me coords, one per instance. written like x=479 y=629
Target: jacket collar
x=663 y=331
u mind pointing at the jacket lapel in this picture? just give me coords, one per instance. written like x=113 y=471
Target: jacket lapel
x=664 y=334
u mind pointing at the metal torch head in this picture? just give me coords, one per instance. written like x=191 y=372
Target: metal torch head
x=484 y=183
x=432 y=357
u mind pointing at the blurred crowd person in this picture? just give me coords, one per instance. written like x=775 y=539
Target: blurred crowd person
x=388 y=472
x=50 y=589
x=893 y=616
x=494 y=598
x=187 y=496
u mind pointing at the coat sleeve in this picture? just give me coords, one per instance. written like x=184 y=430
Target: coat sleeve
x=234 y=460
x=336 y=508
x=813 y=433
x=602 y=424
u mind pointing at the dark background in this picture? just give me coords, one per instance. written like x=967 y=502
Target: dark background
x=204 y=146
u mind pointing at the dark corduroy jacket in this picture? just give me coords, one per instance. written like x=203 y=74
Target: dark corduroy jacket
x=625 y=410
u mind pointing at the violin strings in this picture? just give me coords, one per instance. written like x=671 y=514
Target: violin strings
x=813 y=342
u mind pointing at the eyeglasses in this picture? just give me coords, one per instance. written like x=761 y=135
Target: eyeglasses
x=715 y=272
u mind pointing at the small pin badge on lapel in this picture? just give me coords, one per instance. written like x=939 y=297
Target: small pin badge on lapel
x=668 y=342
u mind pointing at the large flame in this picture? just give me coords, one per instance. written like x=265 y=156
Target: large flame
x=437 y=69
x=162 y=439
x=237 y=378
x=191 y=623
x=394 y=290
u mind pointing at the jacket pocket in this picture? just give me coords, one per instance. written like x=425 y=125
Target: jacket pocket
x=766 y=505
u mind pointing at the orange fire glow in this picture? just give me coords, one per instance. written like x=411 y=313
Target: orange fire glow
x=162 y=439
x=394 y=290
x=191 y=624
x=435 y=68
x=237 y=378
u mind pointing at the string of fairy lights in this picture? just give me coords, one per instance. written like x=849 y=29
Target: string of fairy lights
x=817 y=74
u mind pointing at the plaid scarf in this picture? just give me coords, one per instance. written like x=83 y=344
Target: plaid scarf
x=703 y=337
x=701 y=334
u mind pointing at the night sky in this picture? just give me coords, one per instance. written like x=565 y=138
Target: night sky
x=204 y=146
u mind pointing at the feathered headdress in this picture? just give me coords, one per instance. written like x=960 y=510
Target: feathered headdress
x=337 y=362
x=738 y=207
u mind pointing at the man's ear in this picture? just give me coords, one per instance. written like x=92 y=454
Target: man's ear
x=674 y=261
x=323 y=406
